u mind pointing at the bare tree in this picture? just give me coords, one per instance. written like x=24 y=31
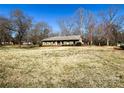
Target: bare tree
x=117 y=28
x=99 y=35
x=79 y=21
x=109 y=18
x=72 y=25
x=66 y=26
x=40 y=31
x=91 y=27
x=21 y=24
x=5 y=33
x=44 y=29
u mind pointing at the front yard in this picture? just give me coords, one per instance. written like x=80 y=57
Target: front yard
x=61 y=67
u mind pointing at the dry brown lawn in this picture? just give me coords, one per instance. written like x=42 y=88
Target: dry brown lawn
x=61 y=67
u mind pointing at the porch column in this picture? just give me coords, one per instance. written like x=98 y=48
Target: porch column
x=56 y=43
x=60 y=42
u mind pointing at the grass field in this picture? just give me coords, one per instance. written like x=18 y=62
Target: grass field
x=61 y=67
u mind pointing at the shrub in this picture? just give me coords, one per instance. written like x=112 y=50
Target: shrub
x=78 y=43
x=40 y=44
x=122 y=46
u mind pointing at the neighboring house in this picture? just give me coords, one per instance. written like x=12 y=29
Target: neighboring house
x=62 y=40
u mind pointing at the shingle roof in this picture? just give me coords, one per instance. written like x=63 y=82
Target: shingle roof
x=59 y=38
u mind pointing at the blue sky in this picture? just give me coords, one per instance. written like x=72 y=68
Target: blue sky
x=52 y=12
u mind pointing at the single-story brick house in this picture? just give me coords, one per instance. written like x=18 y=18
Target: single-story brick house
x=63 y=40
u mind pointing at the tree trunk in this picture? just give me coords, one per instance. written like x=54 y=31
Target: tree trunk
x=107 y=42
x=91 y=42
x=20 y=45
x=20 y=42
x=0 y=43
x=99 y=44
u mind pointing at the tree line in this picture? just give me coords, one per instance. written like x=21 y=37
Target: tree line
x=19 y=28
x=104 y=28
